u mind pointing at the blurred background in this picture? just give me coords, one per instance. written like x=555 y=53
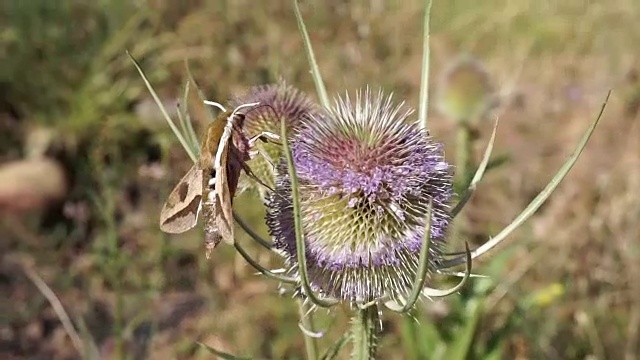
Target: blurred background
x=86 y=161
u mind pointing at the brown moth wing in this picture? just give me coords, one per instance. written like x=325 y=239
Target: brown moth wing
x=219 y=225
x=180 y=211
x=223 y=203
x=219 y=215
x=227 y=165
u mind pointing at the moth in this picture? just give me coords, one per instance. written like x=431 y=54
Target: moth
x=211 y=183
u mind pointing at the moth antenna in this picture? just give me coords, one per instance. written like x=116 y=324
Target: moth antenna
x=235 y=111
x=262 y=105
x=216 y=104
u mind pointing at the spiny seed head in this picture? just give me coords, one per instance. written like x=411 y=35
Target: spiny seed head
x=277 y=101
x=466 y=94
x=366 y=176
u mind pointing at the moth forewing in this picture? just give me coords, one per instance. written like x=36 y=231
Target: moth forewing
x=211 y=184
x=224 y=215
x=219 y=219
x=180 y=211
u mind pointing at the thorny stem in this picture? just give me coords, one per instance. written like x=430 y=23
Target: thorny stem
x=364 y=333
x=464 y=172
x=464 y=144
x=300 y=244
x=310 y=342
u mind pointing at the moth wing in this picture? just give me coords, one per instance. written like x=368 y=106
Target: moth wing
x=224 y=202
x=180 y=211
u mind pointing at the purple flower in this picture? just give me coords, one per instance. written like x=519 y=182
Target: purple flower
x=366 y=177
x=277 y=101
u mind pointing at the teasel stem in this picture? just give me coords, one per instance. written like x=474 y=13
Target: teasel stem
x=482 y=167
x=306 y=320
x=297 y=218
x=463 y=173
x=465 y=180
x=364 y=332
x=464 y=155
x=424 y=83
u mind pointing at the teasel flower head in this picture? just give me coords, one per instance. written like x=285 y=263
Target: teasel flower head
x=277 y=101
x=366 y=177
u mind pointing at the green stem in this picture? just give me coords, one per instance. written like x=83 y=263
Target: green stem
x=464 y=148
x=424 y=82
x=364 y=333
x=463 y=173
x=306 y=320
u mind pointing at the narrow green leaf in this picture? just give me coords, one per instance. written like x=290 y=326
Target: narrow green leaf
x=460 y=349
x=429 y=292
x=185 y=121
x=334 y=350
x=266 y=272
x=421 y=339
x=423 y=267
x=542 y=196
x=411 y=346
x=478 y=175
x=156 y=98
x=254 y=235
x=431 y=343
x=315 y=71
x=496 y=353
x=185 y=118
x=207 y=110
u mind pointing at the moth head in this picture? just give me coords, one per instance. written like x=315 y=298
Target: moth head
x=241 y=116
x=235 y=112
x=226 y=121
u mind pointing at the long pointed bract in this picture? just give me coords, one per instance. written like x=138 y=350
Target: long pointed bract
x=156 y=98
x=315 y=70
x=540 y=199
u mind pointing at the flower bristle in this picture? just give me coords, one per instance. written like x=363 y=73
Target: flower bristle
x=366 y=177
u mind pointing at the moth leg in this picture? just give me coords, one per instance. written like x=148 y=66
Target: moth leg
x=250 y=173
x=255 y=152
x=265 y=136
